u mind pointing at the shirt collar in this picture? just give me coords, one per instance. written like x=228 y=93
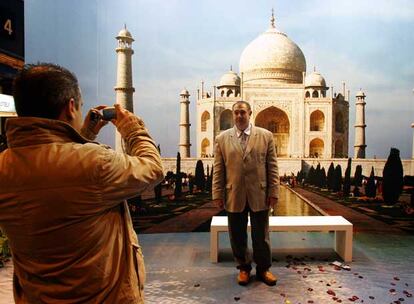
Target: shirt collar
x=247 y=131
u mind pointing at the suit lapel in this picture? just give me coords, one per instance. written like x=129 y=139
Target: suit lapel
x=251 y=142
x=235 y=141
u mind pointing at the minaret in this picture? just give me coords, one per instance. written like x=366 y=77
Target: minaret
x=412 y=126
x=124 y=88
x=412 y=153
x=359 y=147
x=184 y=124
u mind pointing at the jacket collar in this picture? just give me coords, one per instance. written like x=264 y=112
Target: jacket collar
x=246 y=131
x=250 y=144
x=26 y=131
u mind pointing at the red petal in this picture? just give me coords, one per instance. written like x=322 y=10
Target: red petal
x=331 y=292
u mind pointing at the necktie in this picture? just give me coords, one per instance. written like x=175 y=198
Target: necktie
x=243 y=141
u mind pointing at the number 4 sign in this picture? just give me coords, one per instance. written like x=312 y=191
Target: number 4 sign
x=8 y=26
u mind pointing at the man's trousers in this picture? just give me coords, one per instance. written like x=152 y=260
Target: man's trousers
x=259 y=222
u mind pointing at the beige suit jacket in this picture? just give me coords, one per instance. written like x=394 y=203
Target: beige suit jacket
x=251 y=176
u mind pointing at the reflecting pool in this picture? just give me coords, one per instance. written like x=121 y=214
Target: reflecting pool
x=291 y=204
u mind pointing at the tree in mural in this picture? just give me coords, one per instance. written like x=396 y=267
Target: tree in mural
x=330 y=176
x=178 y=191
x=337 y=179
x=200 y=180
x=393 y=178
x=316 y=179
x=323 y=178
x=347 y=179
x=358 y=176
x=370 y=188
x=310 y=176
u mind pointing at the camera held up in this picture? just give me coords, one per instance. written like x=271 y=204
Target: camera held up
x=107 y=114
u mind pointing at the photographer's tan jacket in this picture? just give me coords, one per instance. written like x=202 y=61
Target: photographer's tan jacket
x=251 y=176
x=61 y=205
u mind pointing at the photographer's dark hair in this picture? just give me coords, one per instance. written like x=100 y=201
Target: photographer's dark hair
x=43 y=89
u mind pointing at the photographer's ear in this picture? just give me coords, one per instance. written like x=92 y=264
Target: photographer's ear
x=72 y=114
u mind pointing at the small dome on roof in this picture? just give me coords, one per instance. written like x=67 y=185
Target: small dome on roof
x=124 y=33
x=360 y=94
x=230 y=79
x=315 y=79
x=184 y=92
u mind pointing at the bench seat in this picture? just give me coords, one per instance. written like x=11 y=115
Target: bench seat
x=338 y=224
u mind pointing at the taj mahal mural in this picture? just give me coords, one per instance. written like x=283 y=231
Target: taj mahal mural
x=306 y=117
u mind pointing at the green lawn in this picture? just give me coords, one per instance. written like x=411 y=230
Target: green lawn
x=150 y=212
x=395 y=215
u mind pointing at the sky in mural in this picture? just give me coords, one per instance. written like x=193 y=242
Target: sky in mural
x=179 y=43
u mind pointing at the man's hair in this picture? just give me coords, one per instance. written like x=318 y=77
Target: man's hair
x=242 y=102
x=43 y=90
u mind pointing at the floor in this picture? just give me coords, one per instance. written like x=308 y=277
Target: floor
x=179 y=271
x=381 y=272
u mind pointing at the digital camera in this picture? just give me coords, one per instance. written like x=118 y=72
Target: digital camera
x=108 y=114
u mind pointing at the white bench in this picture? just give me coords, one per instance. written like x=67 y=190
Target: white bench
x=341 y=227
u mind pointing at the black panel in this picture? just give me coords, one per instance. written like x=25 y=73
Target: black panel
x=12 y=28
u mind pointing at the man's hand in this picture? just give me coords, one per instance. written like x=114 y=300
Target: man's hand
x=219 y=203
x=126 y=120
x=272 y=202
x=91 y=127
x=94 y=125
x=121 y=114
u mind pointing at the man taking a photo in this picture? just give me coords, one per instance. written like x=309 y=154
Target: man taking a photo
x=62 y=196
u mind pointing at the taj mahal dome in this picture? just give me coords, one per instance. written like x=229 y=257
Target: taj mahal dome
x=306 y=118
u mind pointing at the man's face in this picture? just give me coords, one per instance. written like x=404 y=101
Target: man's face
x=77 y=120
x=241 y=116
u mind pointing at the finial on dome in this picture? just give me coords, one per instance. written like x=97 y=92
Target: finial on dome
x=314 y=68
x=272 y=19
x=231 y=67
x=125 y=26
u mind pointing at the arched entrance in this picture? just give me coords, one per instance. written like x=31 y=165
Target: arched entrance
x=316 y=148
x=226 y=120
x=277 y=122
x=204 y=119
x=317 y=121
x=205 y=147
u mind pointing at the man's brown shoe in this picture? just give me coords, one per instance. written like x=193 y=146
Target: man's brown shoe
x=243 y=278
x=267 y=277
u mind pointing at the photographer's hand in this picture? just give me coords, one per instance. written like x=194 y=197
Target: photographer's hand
x=91 y=127
x=126 y=121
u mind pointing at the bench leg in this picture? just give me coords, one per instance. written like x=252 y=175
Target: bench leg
x=343 y=244
x=214 y=242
